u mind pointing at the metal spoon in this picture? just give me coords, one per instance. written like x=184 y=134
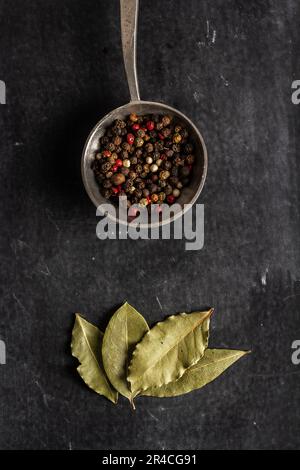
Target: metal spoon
x=129 y=20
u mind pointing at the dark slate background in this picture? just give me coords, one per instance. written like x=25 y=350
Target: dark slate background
x=229 y=65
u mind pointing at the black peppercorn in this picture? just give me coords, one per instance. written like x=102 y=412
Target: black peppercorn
x=149 y=148
x=133 y=160
x=168 y=189
x=107 y=184
x=184 y=171
x=138 y=168
x=140 y=184
x=138 y=193
x=110 y=146
x=176 y=148
x=169 y=153
x=190 y=159
x=173 y=180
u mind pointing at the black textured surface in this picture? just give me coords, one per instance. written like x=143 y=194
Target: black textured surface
x=229 y=65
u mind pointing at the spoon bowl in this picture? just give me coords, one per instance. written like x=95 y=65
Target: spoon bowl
x=129 y=15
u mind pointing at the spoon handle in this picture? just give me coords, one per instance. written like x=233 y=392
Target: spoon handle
x=129 y=20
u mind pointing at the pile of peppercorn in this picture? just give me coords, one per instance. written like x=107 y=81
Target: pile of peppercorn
x=149 y=159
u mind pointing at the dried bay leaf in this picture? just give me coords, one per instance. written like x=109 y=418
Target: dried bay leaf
x=168 y=349
x=125 y=329
x=86 y=347
x=208 y=368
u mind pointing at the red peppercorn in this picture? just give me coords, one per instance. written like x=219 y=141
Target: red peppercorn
x=161 y=136
x=115 y=168
x=150 y=125
x=119 y=162
x=148 y=199
x=115 y=190
x=136 y=127
x=163 y=156
x=130 y=139
x=106 y=153
x=170 y=199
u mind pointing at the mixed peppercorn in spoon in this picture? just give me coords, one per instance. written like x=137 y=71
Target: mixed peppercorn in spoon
x=147 y=158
